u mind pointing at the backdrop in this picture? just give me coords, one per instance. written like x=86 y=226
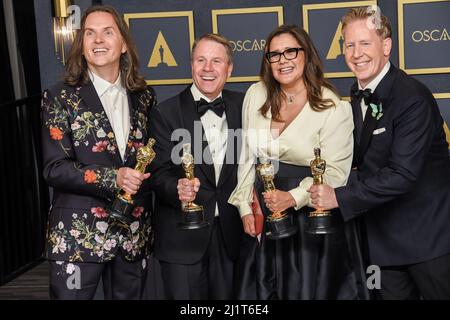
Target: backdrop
x=165 y=30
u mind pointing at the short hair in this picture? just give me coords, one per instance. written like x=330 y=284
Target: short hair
x=384 y=27
x=216 y=38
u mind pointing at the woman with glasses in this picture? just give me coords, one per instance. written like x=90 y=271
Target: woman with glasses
x=291 y=111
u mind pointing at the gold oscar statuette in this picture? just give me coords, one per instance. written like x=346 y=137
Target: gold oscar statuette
x=279 y=223
x=319 y=221
x=192 y=214
x=123 y=205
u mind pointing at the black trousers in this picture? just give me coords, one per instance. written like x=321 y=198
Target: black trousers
x=79 y=280
x=210 y=278
x=426 y=280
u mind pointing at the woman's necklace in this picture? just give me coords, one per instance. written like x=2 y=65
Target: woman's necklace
x=291 y=97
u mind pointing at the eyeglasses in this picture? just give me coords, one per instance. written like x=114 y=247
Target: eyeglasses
x=289 y=54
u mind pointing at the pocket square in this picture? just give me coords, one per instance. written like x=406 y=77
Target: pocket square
x=378 y=131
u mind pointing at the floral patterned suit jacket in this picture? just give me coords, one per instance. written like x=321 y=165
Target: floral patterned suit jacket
x=81 y=160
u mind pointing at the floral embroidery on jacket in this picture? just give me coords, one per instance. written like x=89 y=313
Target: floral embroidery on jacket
x=84 y=124
x=80 y=234
x=92 y=124
x=99 y=239
x=103 y=177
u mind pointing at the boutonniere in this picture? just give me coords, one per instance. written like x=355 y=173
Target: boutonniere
x=377 y=110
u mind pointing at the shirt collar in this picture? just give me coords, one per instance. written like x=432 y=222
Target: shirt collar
x=374 y=83
x=101 y=85
x=196 y=93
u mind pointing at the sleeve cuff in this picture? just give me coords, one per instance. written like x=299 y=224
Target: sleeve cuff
x=301 y=197
x=343 y=203
x=244 y=208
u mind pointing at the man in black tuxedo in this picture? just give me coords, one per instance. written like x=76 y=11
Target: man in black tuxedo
x=92 y=125
x=200 y=263
x=400 y=183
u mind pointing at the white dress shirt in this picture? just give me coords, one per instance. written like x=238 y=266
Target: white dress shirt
x=216 y=129
x=373 y=85
x=114 y=99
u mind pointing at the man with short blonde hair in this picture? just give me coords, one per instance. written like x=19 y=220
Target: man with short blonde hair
x=400 y=183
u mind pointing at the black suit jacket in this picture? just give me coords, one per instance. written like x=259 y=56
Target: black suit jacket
x=188 y=246
x=81 y=159
x=403 y=183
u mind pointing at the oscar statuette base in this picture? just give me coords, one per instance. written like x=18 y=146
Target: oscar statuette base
x=279 y=228
x=192 y=218
x=321 y=222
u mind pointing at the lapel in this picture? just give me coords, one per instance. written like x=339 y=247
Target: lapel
x=357 y=115
x=358 y=122
x=381 y=94
x=133 y=105
x=366 y=134
x=233 y=114
x=199 y=146
x=93 y=103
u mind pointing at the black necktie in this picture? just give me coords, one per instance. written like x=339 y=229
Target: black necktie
x=365 y=94
x=217 y=106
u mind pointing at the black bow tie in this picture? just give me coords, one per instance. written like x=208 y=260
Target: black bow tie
x=217 y=106
x=365 y=94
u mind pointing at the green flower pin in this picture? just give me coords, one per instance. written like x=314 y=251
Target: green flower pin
x=377 y=110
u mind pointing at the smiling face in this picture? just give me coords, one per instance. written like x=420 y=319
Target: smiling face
x=366 y=53
x=210 y=67
x=287 y=72
x=102 y=44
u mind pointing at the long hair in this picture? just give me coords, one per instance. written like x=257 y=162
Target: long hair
x=312 y=75
x=76 y=72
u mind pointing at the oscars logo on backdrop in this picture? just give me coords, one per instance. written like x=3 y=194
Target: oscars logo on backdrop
x=161 y=56
x=248 y=45
x=434 y=35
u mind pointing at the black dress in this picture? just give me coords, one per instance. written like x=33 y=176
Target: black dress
x=303 y=266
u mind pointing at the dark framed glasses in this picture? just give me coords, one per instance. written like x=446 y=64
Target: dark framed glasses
x=289 y=54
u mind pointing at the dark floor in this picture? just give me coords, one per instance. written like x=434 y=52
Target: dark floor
x=32 y=285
